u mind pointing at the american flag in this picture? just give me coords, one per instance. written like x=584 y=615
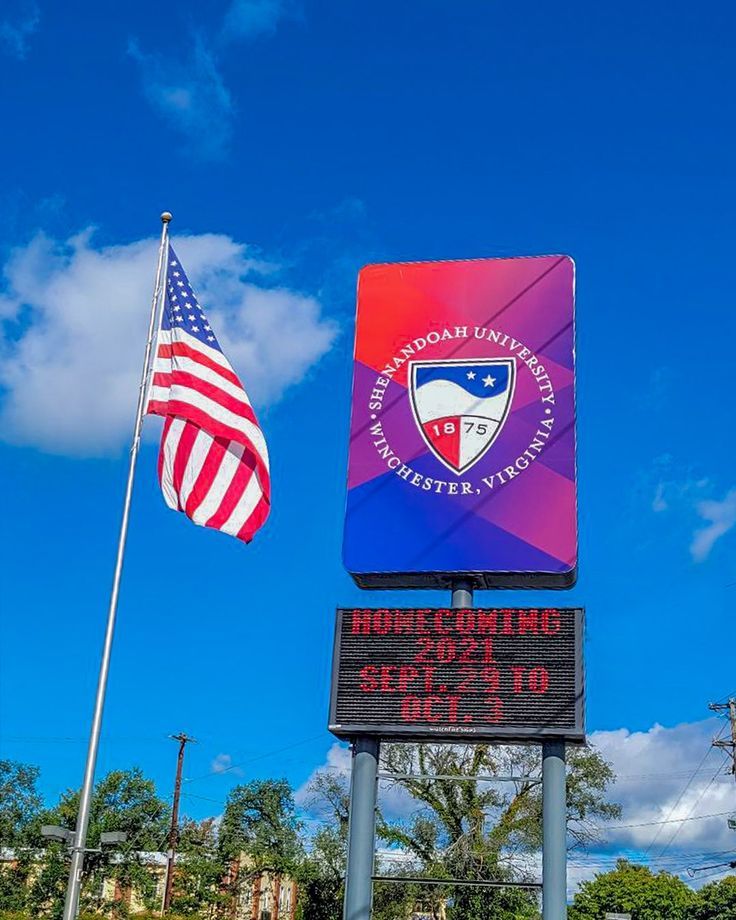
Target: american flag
x=213 y=462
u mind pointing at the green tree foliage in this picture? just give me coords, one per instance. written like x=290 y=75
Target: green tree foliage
x=20 y=801
x=260 y=824
x=471 y=830
x=636 y=890
x=200 y=870
x=321 y=873
x=20 y=808
x=124 y=800
x=715 y=901
x=45 y=897
x=260 y=820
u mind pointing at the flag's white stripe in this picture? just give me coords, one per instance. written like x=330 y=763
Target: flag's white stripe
x=161 y=366
x=244 y=508
x=198 y=455
x=220 y=484
x=189 y=366
x=171 y=336
x=216 y=411
x=167 y=472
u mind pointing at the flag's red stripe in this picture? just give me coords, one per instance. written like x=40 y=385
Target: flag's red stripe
x=234 y=493
x=256 y=520
x=206 y=389
x=179 y=348
x=181 y=458
x=213 y=427
x=205 y=477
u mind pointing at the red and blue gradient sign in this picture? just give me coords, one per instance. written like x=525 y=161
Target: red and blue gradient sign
x=462 y=440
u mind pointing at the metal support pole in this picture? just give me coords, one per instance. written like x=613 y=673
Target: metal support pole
x=554 y=831
x=361 y=830
x=462 y=593
x=71 y=902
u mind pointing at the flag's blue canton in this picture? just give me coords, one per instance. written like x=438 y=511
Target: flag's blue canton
x=478 y=379
x=181 y=309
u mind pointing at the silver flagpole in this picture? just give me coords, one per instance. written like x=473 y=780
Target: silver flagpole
x=71 y=903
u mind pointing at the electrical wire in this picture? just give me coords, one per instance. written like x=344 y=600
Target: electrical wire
x=694 y=806
x=243 y=763
x=679 y=798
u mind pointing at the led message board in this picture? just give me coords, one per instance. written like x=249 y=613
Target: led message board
x=462 y=440
x=458 y=675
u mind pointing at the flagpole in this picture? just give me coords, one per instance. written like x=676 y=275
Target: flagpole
x=71 y=903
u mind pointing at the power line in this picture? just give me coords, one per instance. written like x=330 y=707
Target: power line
x=243 y=763
x=618 y=827
x=679 y=799
x=694 y=806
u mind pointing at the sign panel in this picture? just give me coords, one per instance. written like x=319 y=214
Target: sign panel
x=462 y=441
x=480 y=674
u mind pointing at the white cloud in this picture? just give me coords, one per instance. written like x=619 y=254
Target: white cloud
x=250 y=18
x=16 y=30
x=721 y=516
x=659 y=502
x=76 y=318
x=223 y=763
x=653 y=770
x=686 y=494
x=395 y=800
x=191 y=95
x=337 y=761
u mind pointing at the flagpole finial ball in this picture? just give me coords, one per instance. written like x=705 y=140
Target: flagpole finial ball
x=166 y=217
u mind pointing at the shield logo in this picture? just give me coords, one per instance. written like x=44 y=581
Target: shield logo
x=461 y=406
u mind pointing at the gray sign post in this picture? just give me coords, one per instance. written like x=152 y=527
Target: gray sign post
x=361 y=829
x=554 y=831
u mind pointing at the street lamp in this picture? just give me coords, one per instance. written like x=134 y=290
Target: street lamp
x=54 y=832
x=63 y=834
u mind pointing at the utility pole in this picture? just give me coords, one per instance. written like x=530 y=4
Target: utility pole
x=729 y=746
x=183 y=740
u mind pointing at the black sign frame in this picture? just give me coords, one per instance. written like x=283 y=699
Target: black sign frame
x=461 y=734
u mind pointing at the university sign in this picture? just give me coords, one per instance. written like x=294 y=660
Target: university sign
x=461 y=475
x=462 y=442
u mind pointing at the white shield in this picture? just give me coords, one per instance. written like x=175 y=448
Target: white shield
x=460 y=407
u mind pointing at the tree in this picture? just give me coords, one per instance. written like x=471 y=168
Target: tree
x=20 y=806
x=200 y=869
x=322 y=871
x=124 y=800
x=260 y=823
x=260 y=820
x=20 y=801
x=471 y=830
x=715 y=901
x=637 y=890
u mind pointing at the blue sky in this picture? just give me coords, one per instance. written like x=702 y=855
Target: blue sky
x=295 y=142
